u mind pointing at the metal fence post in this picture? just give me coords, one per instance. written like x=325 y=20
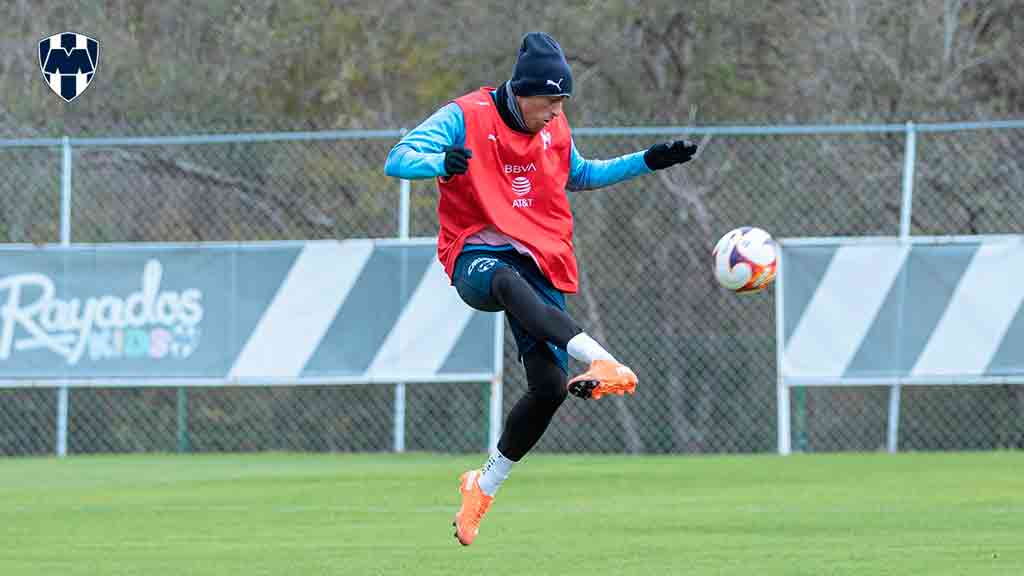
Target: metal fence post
x=184 y=445
x=909 y=159
x=399 y=432
x=403 y=209
x=65 y=240
x=494 y=415
x=781 y=388
x=497 y=386
x=403 y=233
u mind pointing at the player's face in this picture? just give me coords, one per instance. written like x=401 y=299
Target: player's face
x=539 y=110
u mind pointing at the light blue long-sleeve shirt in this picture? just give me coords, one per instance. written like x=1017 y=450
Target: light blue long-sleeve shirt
x=420 y=154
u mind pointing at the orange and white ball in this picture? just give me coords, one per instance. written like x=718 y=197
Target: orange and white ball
x=745 y=260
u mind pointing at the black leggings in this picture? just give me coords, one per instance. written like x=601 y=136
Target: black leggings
x=542 y=321
x=545 y=380
x=529 y=418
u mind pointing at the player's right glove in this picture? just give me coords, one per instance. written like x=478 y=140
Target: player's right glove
x=456 y=161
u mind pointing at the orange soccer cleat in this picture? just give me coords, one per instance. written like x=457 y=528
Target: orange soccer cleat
x=474 y=505
x=604 y=377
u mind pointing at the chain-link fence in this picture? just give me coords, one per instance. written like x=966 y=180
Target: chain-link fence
x=706 y=358
x=30 y=194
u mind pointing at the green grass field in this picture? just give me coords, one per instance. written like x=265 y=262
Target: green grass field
x=864 y=514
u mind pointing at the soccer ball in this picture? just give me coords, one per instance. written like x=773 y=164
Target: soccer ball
x=745 y=260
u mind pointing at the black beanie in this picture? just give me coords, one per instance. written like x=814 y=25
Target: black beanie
x=541 y=69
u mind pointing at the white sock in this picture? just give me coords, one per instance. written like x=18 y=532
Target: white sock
x=586 y=349
x=495 y=472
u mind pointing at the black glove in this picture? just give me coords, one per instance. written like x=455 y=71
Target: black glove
x=669 y=154
x=456 y=161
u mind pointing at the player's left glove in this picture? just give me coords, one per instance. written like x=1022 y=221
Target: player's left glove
x=669 y=154
x=456 y=161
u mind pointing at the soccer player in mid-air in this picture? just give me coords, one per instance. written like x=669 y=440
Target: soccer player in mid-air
x=504 y=159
